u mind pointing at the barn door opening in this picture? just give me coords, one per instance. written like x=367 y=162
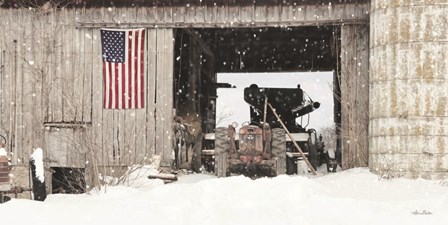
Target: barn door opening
x=231 y=106
x=202 y=54
x=194 y=78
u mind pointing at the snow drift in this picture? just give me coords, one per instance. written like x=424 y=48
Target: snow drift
x=350 y=197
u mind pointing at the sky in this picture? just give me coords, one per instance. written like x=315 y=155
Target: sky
x=231 y=106
x=350 y=197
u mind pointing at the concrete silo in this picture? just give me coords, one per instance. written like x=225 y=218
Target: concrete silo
x=408 y=129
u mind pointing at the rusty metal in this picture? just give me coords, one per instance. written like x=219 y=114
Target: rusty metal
x=17 y=190
x=4 y=173
x=13 y=190
x=5 y=183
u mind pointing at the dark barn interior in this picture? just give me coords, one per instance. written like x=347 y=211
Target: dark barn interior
x=271 y=49
x=67 y=180
x=202 y=53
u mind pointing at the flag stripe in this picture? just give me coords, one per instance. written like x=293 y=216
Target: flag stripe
x=136 y=69
x=114 y=86
x=123 y=87
x=111 y=85
x=128 y=75
x=105 y=84
x=109 y=67
x=118 y=91
x=142 y=71
x=131 y=53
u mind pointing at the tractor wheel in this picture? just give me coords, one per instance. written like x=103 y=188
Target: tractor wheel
x=222 y=147
x=312 y=156
x=291 y=166
x=279 y=149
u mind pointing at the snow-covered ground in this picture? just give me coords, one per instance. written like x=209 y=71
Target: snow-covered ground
x=351 y=197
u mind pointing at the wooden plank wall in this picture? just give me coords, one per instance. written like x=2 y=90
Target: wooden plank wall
x=164 y=95
x=256 y=15
x=51 y=93
x=355 y=96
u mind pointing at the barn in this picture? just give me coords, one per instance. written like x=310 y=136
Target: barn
x=388 y=57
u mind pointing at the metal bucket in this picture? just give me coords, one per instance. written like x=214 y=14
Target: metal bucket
x=4 y=174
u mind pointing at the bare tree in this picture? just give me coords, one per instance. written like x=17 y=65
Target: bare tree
x=222 y=117
x=329 y=137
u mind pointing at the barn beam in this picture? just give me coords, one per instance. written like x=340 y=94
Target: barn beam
x=236 y=24
x=200 y=42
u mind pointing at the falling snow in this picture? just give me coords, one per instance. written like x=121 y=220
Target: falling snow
x=350 y=197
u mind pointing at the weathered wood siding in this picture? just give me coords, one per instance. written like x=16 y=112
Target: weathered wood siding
x=51 y=93
x=355 y=96
x=294 y=14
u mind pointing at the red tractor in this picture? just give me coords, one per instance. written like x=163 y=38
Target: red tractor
x=262 y=148
x=258 y=151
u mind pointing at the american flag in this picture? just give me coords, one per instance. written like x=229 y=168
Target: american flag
x=123 y=68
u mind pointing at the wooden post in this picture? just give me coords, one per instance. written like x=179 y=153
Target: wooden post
x=39 y=191
x=292 y=139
